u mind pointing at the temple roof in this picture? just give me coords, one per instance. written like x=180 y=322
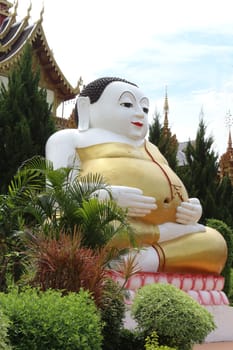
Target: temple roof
x=228 y=155
x=13 y=37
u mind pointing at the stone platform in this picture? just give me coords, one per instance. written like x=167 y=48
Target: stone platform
x=214 y=346
x=207 y=290
x=223 y=317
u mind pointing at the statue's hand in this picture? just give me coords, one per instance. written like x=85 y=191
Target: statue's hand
x=133 y=199
x=189 y=212
x=130 y=198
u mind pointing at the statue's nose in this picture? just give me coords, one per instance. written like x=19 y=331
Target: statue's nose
x=140 y=113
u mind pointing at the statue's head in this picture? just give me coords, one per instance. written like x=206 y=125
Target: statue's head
x=113 y=104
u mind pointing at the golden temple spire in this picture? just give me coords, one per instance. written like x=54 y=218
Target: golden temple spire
x=229 y=123
x=226 y=160
x=166 y=110
x=229 y=140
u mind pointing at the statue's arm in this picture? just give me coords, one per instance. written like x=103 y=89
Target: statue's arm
x=189 y=212
x=187 y=217
x=129 y=198
x=61 y=148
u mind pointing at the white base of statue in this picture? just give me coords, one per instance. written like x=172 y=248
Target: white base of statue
x=206 y=290
x=223 y=317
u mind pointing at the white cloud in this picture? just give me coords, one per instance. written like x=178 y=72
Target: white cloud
x=182 y=44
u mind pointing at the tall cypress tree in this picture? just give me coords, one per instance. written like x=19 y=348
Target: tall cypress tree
x=25 y=118
x=224 y=200
x=164 y=140
x=200 y=175
x=155 y=129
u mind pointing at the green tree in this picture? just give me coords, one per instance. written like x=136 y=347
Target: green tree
x=25 y=118
x=224 y=198
x=166 y=142
x=227 y=233
x=200 y=175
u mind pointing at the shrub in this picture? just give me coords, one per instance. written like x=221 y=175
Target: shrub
x=177 y=318
x=63 y=264
x=46 y=320
x=131 y=340
x=152 y=343
x=227 y=233
x=4 y=325
x=231 y=291
x=112 y=312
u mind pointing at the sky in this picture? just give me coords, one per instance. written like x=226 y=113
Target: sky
x=185 y=47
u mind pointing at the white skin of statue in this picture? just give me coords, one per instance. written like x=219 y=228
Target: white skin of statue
x=121 y=115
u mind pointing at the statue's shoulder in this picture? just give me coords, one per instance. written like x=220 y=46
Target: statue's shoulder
x=66 y=136
x=152 y=148
x=155 y=152
x=63 y=134
x=95 y=136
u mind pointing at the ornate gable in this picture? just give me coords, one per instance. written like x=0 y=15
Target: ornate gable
x=14 y=36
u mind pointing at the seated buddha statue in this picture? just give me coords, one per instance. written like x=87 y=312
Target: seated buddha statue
x=111 y=140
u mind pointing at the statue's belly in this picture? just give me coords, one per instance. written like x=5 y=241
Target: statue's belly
x=162 y=184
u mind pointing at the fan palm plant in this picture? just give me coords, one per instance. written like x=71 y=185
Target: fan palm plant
x=54 y=203
x=41 y=199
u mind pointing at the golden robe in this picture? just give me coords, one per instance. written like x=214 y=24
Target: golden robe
x=145 y=168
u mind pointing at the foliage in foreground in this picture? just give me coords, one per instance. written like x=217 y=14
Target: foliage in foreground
x=131 y=340
x=64 y=205
x=63 y=264
x=112 y=309
x=227 y=233
x=4 y=326
x=178 y=320
x=231 y=292
x=152 y=343
x=46 y=320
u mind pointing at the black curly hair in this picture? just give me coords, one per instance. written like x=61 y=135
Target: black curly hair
x=95 y=89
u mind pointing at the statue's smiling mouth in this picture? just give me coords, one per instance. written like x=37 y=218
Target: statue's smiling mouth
x=138 y=124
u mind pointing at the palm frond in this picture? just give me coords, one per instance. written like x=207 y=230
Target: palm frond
x=100 y=221
x=25 y=183
x=86 y=185
x=37 y=163
x=58 y=179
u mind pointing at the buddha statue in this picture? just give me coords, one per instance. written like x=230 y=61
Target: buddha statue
x=111 y=140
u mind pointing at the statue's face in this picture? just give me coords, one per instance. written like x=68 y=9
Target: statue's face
x=122 y=109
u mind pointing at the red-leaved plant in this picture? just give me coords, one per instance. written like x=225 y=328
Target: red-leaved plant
x=64 y=264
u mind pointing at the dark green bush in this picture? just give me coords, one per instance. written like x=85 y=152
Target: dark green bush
x=131 y=340
x=4 y=326
x=230 y=297
x=46 y=320
x=178 y=319
x=112 y=312
x=227 y=233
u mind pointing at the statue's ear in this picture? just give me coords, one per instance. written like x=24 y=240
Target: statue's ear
x=83 y=109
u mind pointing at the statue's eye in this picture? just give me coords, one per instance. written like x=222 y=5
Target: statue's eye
x=127 y=104
x=145 y=110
